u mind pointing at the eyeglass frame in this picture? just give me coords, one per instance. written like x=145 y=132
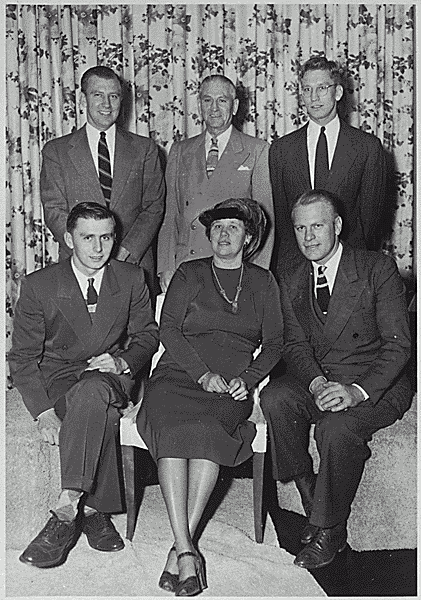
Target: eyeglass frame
x=320 y=94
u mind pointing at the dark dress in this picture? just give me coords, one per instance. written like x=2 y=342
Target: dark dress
x=200 y=333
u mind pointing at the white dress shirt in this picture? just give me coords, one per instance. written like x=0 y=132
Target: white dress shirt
x=82 y=279
x=93 y=139
x=313 y=133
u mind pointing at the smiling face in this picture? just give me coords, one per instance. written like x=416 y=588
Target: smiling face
x=102 y=102
x=227 y=238
x=91 y=241
x=217 y=106
x=317 y=231
x=321 y=109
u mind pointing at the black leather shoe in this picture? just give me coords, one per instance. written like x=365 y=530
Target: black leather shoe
x=323 y=548
x=52 y=545
x=101 y=533
x=309 y=533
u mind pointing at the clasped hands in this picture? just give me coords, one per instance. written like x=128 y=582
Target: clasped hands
x=333 y=396
x=49 y=423
x=212 y=382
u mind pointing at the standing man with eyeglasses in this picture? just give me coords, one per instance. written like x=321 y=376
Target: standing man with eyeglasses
x=326 y=154
x=103 y=163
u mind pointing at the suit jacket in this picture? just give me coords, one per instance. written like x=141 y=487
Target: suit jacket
x=357 y=177
x=365 y=338
x=53 y=335
x=69 y=176
x=242 y=171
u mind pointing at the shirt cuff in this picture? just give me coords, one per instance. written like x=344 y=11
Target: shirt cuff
x=364 y=393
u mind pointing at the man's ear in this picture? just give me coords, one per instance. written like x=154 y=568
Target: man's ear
x=68 y=239
x=82 y=102
x=235 y=106
x=338 y=224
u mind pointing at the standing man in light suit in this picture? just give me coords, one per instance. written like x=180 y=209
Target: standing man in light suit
x=120 y=170
x=346 y=345
x=218 y=164
x=326 y=154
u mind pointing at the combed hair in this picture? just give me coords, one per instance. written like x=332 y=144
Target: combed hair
x=313 y=196
x=321 y=63
x=88 y=210
x=98 y=71
x=221 y=78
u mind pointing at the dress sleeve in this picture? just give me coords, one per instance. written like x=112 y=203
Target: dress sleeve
x=272 y=335
x=180 y=293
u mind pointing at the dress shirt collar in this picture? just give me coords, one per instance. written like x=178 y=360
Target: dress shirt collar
x=222 y=140
x=331 y=268
x=82 y=279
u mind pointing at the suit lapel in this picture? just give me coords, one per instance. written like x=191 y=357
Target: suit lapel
x=124 y=158
x=81 y=157
x=298 y=159
x=343 y=159
x=108 y=307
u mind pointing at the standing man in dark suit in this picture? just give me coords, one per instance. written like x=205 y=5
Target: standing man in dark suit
x=326 y=154
x=218 y=164
x=69 y=363
x=120 y=170
x=346 y=345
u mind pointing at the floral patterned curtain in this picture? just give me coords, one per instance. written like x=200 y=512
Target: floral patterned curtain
x=163 y=52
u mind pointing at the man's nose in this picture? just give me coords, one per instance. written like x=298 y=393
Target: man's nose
x=309 y=234
x=315 y=93
x=98 y=245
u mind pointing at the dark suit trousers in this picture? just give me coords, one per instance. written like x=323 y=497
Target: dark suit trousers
x=341 y=440
x=90 y=455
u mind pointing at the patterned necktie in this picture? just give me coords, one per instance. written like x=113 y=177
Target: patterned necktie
x=322 y=289
x=321 y=167
x=91 y=297
x=213 y=156
x=104 y=168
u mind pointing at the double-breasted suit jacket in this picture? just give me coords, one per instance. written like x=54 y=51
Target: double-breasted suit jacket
x=53 y=335
x=357 y=178
x=242 y=172
x=365 y=338
x=69 y=176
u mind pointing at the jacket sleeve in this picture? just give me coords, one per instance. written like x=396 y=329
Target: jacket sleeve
x=143 y=230
x=272 y=335
x=262 y=193
x=168 y=235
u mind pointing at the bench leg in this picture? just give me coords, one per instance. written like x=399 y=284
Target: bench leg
x=129 y=487
x=258 y=470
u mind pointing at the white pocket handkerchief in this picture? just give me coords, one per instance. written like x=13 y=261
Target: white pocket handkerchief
x=243 y=168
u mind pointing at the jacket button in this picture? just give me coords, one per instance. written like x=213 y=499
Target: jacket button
x=64 y=347
x=192 y=252
x=193 y=226
x=355 y=335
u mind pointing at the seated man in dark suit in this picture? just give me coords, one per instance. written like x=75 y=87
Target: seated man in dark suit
x=69 y=363
x=346 y=344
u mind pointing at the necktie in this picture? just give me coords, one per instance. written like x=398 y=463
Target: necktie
x=322 y=289
x=91 y=297
x=321 y=167
x=104 y=168
x=213 y=156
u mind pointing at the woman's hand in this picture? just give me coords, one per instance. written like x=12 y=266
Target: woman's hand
x=238 y=389
x=212 y=382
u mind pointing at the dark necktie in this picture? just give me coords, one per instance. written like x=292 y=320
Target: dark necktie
x=91 y=297
x=104 y=168
x=321 y=166
x=322 y=289
x=213 y=156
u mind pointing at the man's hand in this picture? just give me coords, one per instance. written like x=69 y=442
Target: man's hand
x=238 y=389
x=105 y=363
x=212 y=382
x=337 y=396
x=49 y=426
x=164 y=279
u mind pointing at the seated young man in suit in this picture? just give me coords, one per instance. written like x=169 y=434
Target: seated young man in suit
x=75 y=376
x=346 y=344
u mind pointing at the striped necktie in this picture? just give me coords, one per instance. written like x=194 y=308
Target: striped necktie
x=213 y=156
x=322 y=289
x=321 y=167
x=104 y=168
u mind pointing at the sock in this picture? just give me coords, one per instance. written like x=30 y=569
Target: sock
x=67 y=505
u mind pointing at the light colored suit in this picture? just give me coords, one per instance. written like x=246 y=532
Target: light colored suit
x=69 y=176
x=242 y=172
x=357 y=178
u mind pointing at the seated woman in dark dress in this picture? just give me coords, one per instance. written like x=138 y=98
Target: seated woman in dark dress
x=217 y=312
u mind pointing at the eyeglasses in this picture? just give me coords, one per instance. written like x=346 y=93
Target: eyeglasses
x=321 y=90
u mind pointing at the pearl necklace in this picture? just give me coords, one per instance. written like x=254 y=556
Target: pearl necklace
x=234 y=303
